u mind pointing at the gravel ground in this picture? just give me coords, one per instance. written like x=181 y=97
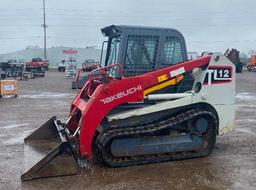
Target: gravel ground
x=232 y=165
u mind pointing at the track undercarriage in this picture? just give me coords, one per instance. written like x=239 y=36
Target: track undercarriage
x=190 y=134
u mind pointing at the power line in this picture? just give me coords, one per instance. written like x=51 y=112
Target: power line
x=18 y=26
x=79 y=10
x=25 y=37
x=175 y=25
x=27 y=19
x=102 y=25
x=23 y=9
x=87 y=39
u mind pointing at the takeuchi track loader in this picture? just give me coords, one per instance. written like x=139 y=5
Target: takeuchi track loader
x=125 y=121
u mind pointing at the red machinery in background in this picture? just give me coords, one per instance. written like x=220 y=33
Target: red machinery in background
x=251 y=65
x=37 y=63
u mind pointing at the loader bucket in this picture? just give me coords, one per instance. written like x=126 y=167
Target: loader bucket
x=47 y=153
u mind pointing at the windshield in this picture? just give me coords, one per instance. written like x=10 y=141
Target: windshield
x=112 y=56
x=112 y=52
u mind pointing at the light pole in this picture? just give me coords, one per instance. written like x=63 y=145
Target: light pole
x=44 y=26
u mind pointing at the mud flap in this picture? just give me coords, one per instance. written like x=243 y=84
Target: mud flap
x=48 y=153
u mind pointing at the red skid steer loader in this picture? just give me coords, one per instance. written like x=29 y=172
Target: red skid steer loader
x=125 y=121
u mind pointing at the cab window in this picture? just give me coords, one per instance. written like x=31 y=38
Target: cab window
x=172 y=51
x=141 y=53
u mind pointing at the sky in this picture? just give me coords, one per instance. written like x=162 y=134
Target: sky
x=206 y=25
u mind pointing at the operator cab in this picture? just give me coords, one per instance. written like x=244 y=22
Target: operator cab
x=143 y=49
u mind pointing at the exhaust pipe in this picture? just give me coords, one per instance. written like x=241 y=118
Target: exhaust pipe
x=48 y=153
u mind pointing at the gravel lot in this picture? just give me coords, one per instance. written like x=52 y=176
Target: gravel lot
x=232 y=165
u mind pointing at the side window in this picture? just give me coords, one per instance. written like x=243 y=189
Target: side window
x=172 y=51
x=140 y=54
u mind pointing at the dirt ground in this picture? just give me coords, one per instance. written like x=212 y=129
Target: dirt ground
x=232 y=165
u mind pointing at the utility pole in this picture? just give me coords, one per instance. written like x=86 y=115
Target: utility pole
x=44 y=26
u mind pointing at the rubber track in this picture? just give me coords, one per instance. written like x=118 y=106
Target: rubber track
x=103 y=140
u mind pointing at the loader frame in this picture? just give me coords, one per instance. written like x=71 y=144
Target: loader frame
x=106 y=96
